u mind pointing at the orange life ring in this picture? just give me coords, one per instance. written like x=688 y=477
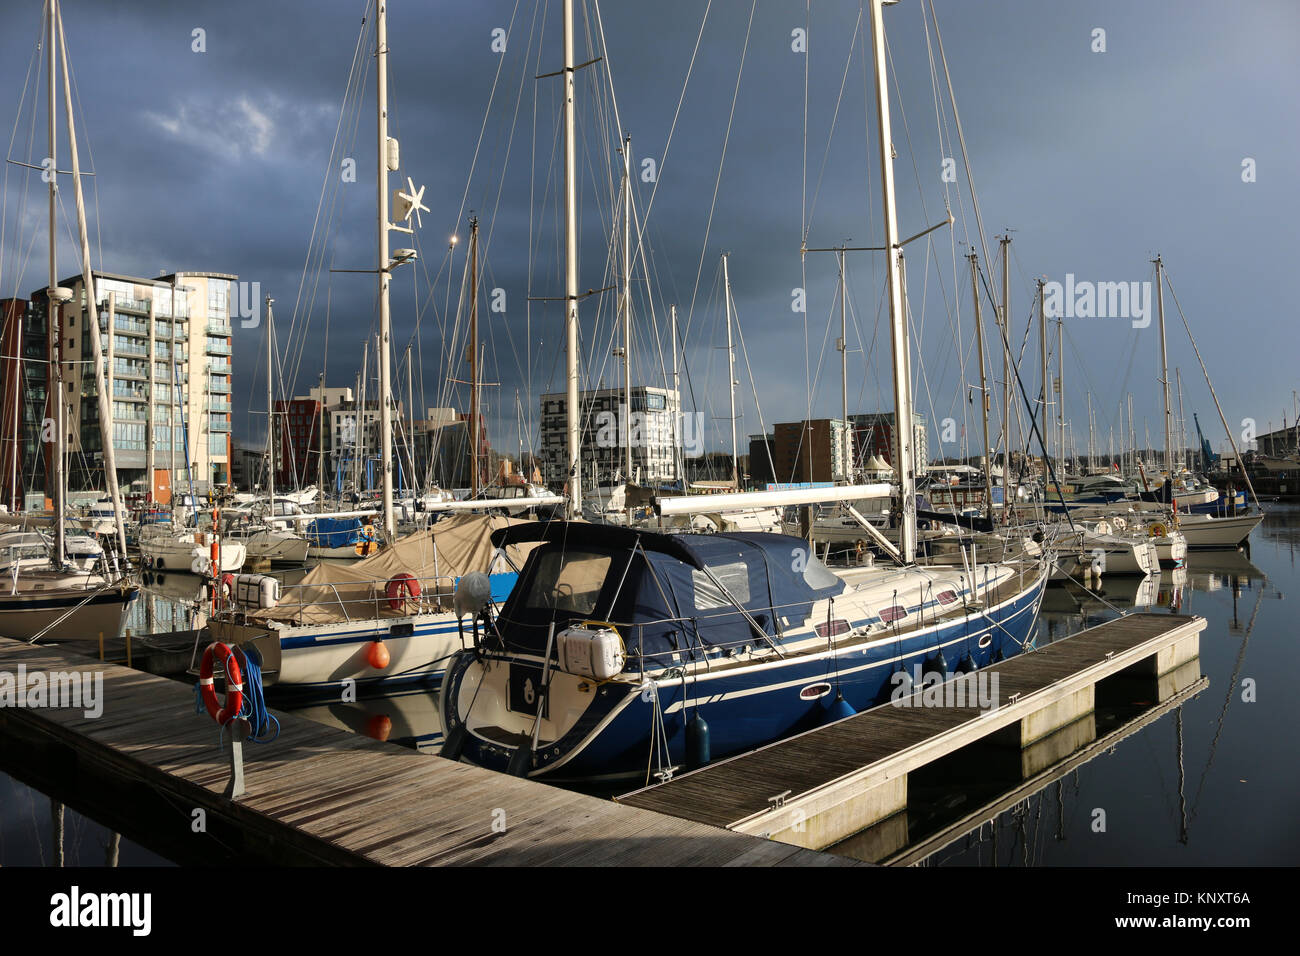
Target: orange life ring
x=402 y=587
x=234 y=684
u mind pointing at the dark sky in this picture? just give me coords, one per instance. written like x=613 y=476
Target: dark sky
x=1095 y=161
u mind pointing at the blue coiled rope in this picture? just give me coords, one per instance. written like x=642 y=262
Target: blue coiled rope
x=253 y=709
x=254 y=706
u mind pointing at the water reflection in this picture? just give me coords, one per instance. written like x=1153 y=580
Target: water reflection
x=38 y=831
x=409 y=717
x=1207 y=777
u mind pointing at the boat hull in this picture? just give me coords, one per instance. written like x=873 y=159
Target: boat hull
x=24 y=615
x=167 y=554
x=1210 y=532
x=276 y=548
x=1172 y=548
x=323 y=656
x=745 y=707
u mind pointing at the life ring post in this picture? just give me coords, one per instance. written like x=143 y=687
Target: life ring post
x=240 y=730
x=227 y=716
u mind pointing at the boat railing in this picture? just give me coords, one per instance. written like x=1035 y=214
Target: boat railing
x=843 y=622
x=367 y=599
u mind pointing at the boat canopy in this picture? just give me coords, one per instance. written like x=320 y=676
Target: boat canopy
x=666 y=594
x=332 y=592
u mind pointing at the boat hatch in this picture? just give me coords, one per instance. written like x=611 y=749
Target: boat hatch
x=893 y=613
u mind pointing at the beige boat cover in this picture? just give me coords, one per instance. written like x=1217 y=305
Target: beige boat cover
x=333 y=592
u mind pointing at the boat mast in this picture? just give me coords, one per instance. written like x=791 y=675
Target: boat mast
x=571 y=268
x=55 y=297
x=14 y=504
x=270 y=411
x=843 y=346
x=1132 y=438
x=1060 y=391
x=898 y=318
x=410 y=423
x=385 y=270
x=320 y=442
x=627 y=317
x=473 y=356
x=1042 y=357
x=359 y=429
x=1005 y=324
x=92 y=310
x=519 y=432
x=1091 y=462
x=1182 y=422
x=678 y=464
x=1164 y=374
x=984 y=388
x=731 y=378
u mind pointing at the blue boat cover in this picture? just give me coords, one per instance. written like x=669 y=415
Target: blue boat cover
x=662 y=591
x=333 y=532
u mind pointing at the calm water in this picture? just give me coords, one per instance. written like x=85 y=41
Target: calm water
x=36 y=832
x=1213 y=781
x=1210 y=781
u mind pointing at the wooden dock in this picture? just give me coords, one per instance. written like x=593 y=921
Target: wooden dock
x=823 y=786
x=151 y=768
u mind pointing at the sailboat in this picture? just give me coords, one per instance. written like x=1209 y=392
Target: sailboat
x=63 y=601
x=621 y=651
x=397 y=614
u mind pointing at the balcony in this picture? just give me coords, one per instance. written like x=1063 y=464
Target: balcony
x=222 y=387
x=122 y=303
x=218 y=426
x=218 y=328
x=219 y=368
x=219 y=405
x=128 y=325
x=222 y=349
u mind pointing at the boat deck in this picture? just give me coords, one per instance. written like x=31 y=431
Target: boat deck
x=317 y=795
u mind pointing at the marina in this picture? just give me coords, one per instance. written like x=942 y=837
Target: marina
x=572 y=434
x=996 y=783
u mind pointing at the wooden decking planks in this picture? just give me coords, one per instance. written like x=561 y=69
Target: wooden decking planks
x=733 y=790
x=335 y=796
